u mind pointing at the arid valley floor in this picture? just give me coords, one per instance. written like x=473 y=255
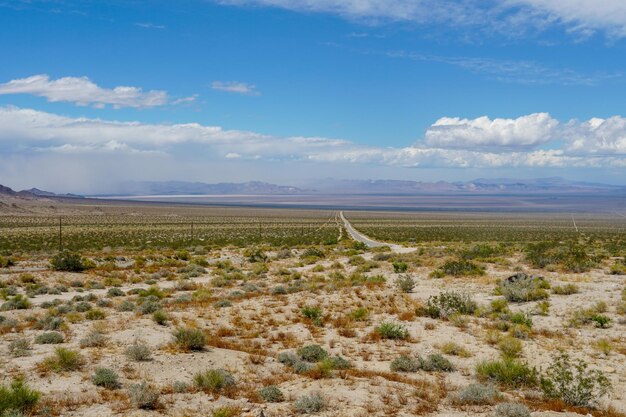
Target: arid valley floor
x=196 y=311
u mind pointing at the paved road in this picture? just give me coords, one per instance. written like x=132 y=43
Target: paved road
x=371 y=243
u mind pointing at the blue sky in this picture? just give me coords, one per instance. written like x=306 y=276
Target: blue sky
x=287 y=91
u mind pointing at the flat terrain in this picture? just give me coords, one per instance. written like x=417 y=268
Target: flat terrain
x=280 y=312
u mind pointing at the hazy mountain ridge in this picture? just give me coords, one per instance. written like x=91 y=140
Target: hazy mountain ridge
x=339 y=186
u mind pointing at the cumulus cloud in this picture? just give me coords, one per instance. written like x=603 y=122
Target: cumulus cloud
x=83 y=92
x=235 y=87
x=483 y=132
x=449 y=142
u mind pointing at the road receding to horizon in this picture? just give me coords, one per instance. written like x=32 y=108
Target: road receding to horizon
x=371 y=243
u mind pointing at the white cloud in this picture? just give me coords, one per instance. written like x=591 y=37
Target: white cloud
x=515 y=17
x=483 y=132
x=450 y=142
x=149 y=25
x=583 y=15
x=83 y=92
x=235 y=87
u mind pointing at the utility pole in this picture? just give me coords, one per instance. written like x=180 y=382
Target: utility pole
x=60 y=235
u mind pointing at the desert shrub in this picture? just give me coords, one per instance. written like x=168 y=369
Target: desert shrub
x=476 y=394
x=143 y=396
x=17 y=398
x=574 y=383
x=6 y=261
x=448 y=303
x=68 y=261
x=511 y=410
x=510 y=347
x=17 y=302
x=390 y=330
x=461 y=268
x=214 y=380
x=180 y=387
x=106 y=378
x=618 y=267
x=590 y=315
x=405 y=283
x=287 y=358
x=93 y=339
x=160 y=317
x=483 y=251
x=149 y=306
x=301 y=366
x=49 y=338
x=436 y=363
x=138 y=352
x=95 y=314
x=313 y=253
x=82 y=306
x=312 y=353
x=359 y=314
x=222 y=303
x=313 y=313
x=255 y=255
x=522 y=288
x=271 y=394
x=572 y=257
x=567 y=289
x=399 y=267
x=339 y=362
x=228 y=411
x=507 y=372
x=312 y=403
x=454 y=349
x=20 y=347
x=126 y=305
x=64 y=360
x=115 y=292
x=190 y=338
x=405 y=363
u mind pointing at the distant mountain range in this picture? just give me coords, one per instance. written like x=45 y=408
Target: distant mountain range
x=552 y=185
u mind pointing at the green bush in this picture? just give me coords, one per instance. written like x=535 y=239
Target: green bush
x=405 y=283
x=510 y=347
x=507 y=372
x=476 y=394
x=64 y=360
x=436 y=363
x=405 y=363
x=571 y=256
x=95 y=314
x=143 y=396
x=50 y=338
x=312 y=353
x=6 y=262
x=573 y=383
x=308 y=404
x=389 y=330
x=106 y=378
x=214 y=380
x=68 y=261
x=313 y=313
x=271 y=394
x=461 y=268
x=567 y=289
x=448 y=303
x=190 y=338
x=17 y=302
x=160 y=317
x=17 y=397
x=399 y=267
